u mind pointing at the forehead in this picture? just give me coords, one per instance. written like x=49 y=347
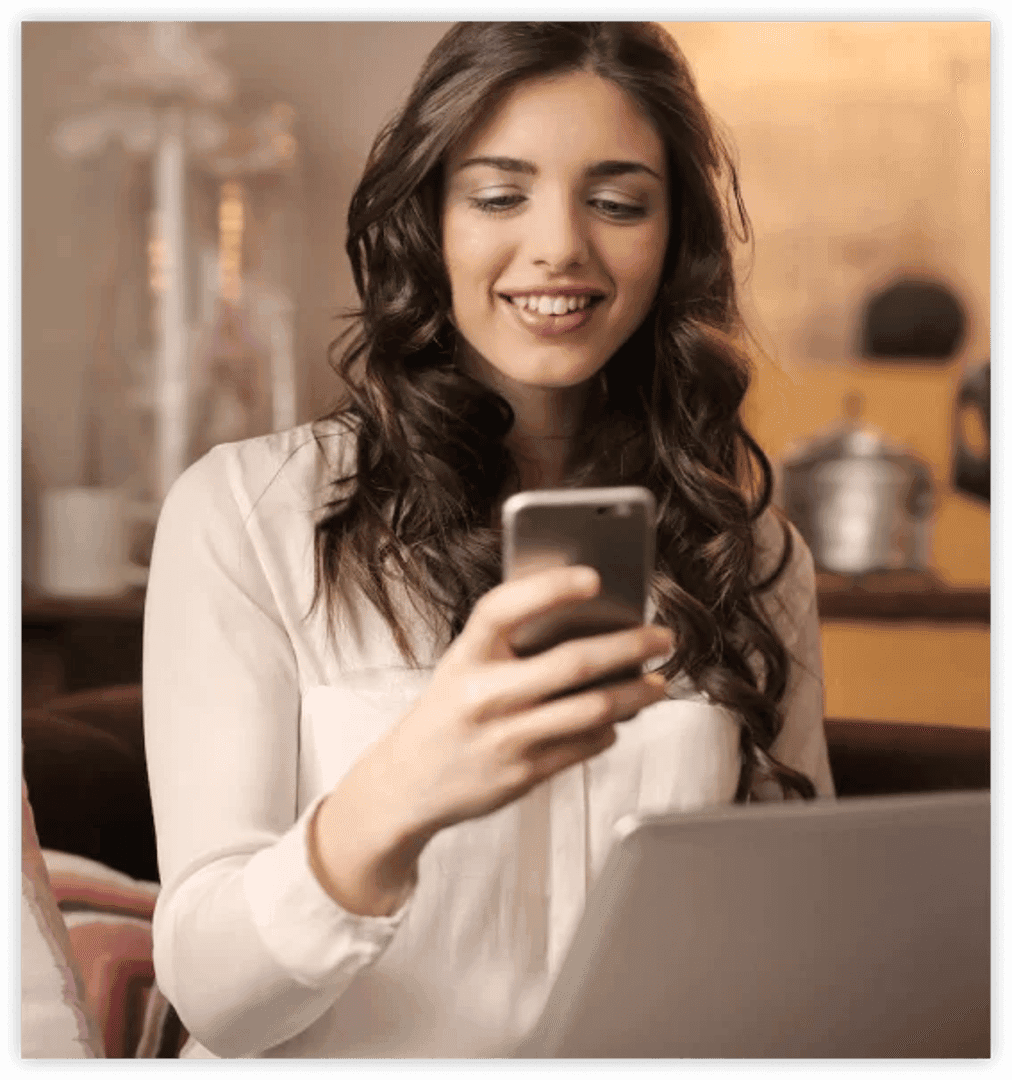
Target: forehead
x=578 y=116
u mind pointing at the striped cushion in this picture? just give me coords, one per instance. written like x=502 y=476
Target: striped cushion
x=108 y=916
x=55 y=1019
x=82 y=884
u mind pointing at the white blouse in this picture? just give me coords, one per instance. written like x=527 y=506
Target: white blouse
x=252 y=716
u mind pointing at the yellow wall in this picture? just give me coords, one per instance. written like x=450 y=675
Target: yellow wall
x=917 y=674
x=863 y=150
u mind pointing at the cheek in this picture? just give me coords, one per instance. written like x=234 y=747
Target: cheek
x=472 y=256
x=637 y=268
x=639 y=284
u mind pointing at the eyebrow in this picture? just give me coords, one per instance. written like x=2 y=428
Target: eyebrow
x=528 y=168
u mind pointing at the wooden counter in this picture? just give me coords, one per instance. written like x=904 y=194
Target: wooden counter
x=69 y=645
x=888 y=597
x=900 y=596
x=897 y=647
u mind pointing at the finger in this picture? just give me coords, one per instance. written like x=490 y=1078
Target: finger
x=552 y=758
x=580 y=714
x=501 y=689
x=502 y=609
x=575 y=664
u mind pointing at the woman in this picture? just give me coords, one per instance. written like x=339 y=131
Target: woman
x=376 y=832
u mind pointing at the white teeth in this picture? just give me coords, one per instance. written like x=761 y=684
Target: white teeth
x=552 y=305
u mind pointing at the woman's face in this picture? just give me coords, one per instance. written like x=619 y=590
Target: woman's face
x=555 y=227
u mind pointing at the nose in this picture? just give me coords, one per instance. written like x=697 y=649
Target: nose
x=558 y=238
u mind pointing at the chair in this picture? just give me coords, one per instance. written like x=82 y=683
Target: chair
x=87 y=778
x=879 y=758
x=84 y=765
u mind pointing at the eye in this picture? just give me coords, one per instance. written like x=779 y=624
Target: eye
x=619 y=211
x=496 y=204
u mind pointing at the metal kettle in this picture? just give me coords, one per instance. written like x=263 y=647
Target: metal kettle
x=861 y=502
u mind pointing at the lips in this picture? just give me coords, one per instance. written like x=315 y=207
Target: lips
x=552 y=312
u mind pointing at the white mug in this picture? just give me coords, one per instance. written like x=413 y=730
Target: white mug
x=84 y=543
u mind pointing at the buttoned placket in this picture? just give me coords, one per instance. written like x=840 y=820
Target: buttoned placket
x=569 y=859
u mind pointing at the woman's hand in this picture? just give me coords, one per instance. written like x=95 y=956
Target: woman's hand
x=488 y=729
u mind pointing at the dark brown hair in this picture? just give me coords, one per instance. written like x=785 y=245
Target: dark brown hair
x=431 y=461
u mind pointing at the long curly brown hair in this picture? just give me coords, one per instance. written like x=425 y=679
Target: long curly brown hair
x=431 y=468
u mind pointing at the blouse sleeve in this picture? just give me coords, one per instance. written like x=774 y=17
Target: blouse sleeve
x=248 y=946
x=792 y=607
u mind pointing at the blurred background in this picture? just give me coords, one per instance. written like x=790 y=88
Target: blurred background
x=184 y=191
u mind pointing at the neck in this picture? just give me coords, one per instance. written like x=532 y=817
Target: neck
x=546 y=422
x=541 y=465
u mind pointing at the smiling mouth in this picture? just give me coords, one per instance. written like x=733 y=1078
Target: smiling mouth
x=553 y=305
x=553 y=316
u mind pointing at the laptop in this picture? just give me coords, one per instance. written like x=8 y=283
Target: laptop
x=850 y=928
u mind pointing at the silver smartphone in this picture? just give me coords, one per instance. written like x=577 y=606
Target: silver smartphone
x=610 y=529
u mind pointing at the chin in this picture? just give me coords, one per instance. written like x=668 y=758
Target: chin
x=543 y=380
x=554 y=372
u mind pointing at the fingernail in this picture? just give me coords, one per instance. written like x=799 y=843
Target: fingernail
x=586 y=577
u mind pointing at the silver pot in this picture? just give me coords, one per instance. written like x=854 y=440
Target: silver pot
x=861 y=503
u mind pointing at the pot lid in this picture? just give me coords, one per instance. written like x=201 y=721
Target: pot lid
x=852 y=438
